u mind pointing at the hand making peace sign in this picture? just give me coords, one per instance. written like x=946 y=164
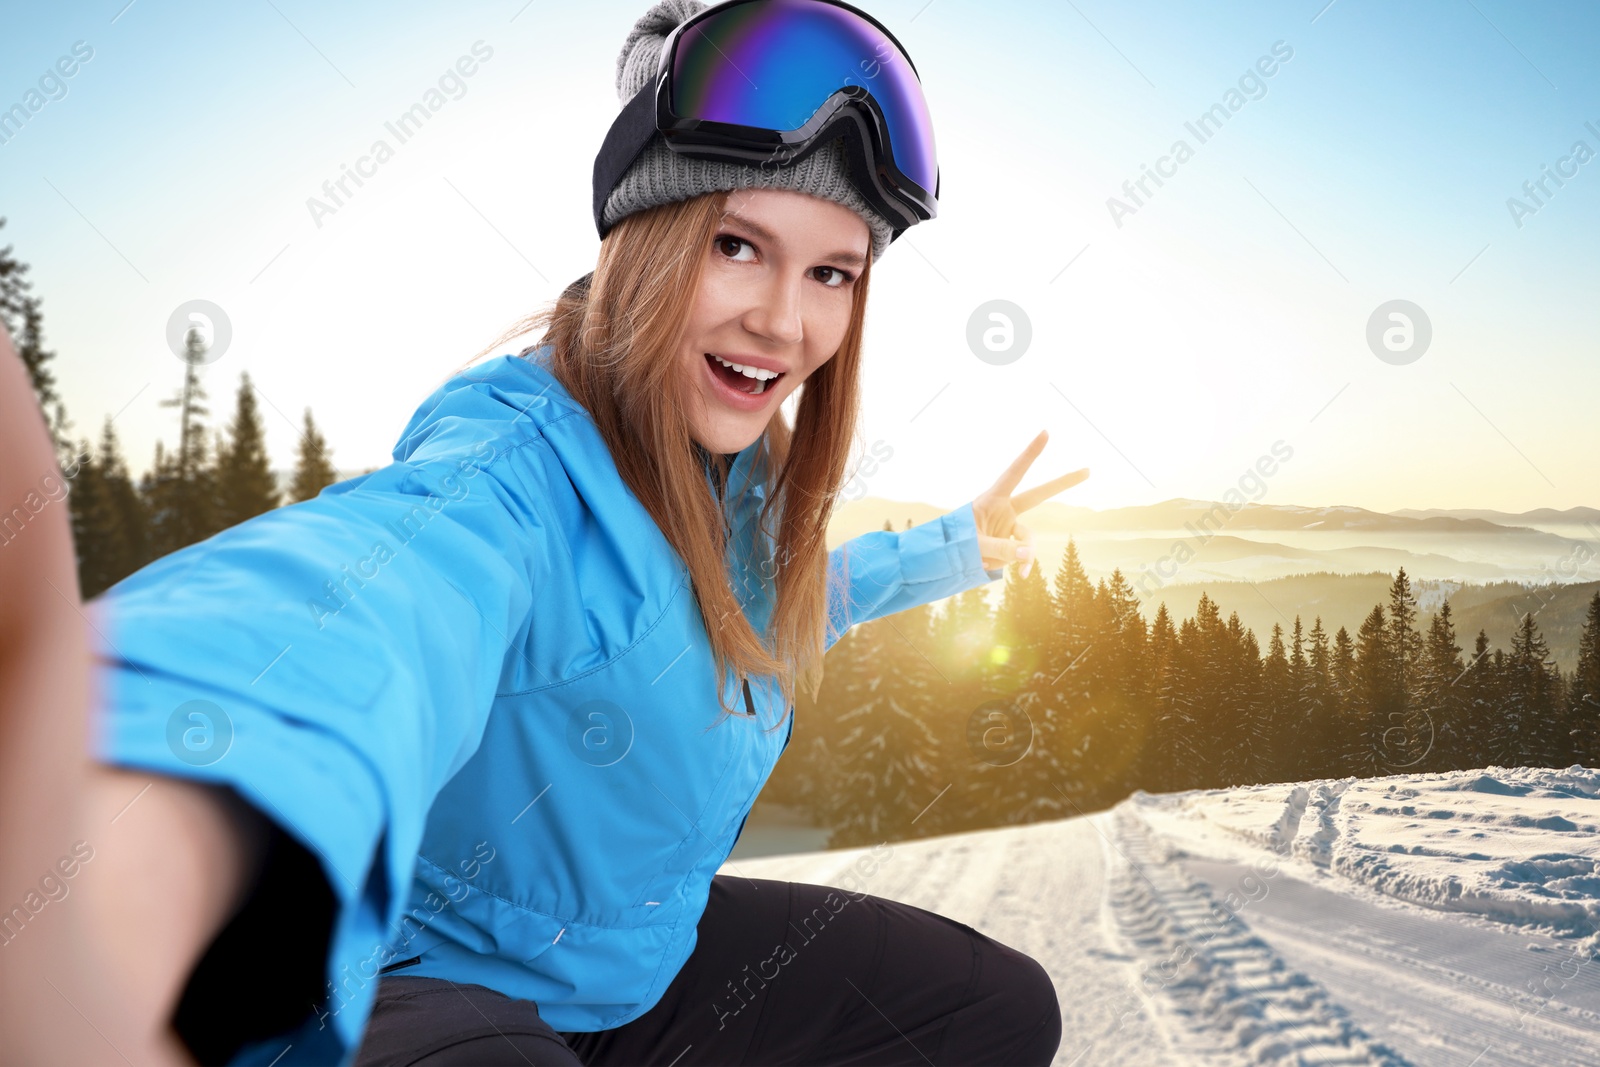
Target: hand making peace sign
x=1001 y=538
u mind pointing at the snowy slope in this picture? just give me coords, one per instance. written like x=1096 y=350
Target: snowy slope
x=1440 y=919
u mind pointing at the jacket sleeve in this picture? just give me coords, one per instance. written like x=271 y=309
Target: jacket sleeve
x=335 y=660
x=886 y=571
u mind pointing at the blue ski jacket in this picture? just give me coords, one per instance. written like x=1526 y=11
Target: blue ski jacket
x=476 y=685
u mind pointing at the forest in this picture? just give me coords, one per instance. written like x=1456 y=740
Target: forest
x=1064 y=700
x=212 y=480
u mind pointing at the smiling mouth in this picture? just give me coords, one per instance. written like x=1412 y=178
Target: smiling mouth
x=745 y=384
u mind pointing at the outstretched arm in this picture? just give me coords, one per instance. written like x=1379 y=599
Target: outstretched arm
x=334 y=662
x=93 y=952
x=351 y=646
x=886 y=571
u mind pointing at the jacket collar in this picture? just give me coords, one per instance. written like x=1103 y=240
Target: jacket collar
x=745 y=463
x=748 y=550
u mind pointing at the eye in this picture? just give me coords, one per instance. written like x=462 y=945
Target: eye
x=843 y=278
x=724 y=239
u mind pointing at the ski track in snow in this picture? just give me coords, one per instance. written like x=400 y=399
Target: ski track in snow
x=1437 y=920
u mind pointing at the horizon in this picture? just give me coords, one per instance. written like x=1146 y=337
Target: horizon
x=1255 y=503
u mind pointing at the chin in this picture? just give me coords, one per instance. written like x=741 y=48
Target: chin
x=730 y=437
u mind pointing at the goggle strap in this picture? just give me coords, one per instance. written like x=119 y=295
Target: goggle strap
x=628 y=136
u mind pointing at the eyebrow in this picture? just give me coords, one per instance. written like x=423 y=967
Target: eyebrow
x=855 y=259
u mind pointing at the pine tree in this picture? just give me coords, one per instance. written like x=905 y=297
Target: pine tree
x=1297 y=660
x=1021 y=628
x=20 y=316
x=1583 y=700
x=1480 y=704
x=313 y=468
x=1051 y=694
x=961 y=642
x=1405 y=640
x=93 y=530
x=1119 y=717
x=1188 y=755
x=963 y=631
x=1344 y=666
x=1319 y=700
x=804 y=776
x=1204 y=660
x=1251 y=756
x=179 y=490
x=1373 y=696
x=1072 y=598
x=1056 y=698
x=244 y=481
x=109 y=525
x=887 y=756
x=1402 y=732
x=1171 y=745
x=1523 y=734
x=1439 y=699
x=1277 y=707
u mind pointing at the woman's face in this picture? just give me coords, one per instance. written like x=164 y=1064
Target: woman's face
x=776 y=296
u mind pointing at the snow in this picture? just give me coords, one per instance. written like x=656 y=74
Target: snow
x=1428 y=919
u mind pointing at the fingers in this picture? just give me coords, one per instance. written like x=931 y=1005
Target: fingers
x=1040 y=493
x=1004 y=551
x=1019 y=466
x=1027 y=552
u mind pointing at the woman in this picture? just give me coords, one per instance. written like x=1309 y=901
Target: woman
x=442 y=763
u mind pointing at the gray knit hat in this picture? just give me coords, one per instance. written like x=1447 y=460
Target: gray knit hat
x=661 y=176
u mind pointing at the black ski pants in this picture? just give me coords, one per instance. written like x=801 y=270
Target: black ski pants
x=780 y=974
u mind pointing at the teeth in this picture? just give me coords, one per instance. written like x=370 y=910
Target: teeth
x=749 y=372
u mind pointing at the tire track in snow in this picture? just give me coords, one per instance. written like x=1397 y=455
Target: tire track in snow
x=1221 y=991
x=1441 y=992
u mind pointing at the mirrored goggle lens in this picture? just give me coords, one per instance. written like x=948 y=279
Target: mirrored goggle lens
x=772 y=64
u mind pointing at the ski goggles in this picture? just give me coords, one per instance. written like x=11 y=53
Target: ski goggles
x=766 y=83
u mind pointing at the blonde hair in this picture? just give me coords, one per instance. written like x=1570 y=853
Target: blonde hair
x=616 y=335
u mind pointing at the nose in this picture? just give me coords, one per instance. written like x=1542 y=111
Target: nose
x=777 y=313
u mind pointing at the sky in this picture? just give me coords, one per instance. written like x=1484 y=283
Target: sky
x=1178 y=333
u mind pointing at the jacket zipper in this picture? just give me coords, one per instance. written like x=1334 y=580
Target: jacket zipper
x=740 y=832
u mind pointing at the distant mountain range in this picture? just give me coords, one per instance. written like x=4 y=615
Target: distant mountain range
x=1206 y=519
x=1270 y=562
x=1210 y=515
x=1546 y=516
